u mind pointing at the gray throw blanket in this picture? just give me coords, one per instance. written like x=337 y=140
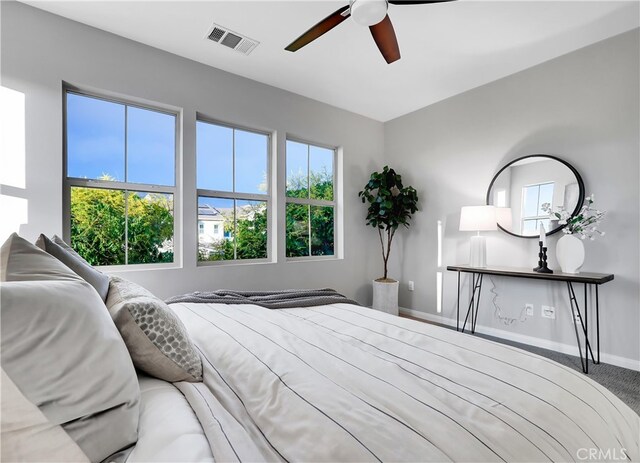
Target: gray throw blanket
x=286 y=299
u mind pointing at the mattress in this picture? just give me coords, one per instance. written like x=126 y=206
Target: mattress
x=347 y=383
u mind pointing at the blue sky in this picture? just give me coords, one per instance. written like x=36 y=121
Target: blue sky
x=96 y=141
x=214 y=147
x=96 y=144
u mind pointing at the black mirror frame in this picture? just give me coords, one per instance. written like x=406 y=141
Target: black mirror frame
x=581 y=194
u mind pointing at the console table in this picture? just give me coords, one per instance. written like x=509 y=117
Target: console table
x=587 y=279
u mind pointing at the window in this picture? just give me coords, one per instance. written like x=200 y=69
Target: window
x=533 y=197
x=201 y=227
x=233 y=192
x=310 y=208
x=120 y=181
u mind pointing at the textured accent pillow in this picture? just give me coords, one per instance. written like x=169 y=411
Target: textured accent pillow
x=61 y=349
x=65 y=254
x=156 y=338
x=27 y=435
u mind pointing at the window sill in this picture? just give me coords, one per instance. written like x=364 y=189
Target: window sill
x=137 y=267
x=226 y=263
x=293 y=260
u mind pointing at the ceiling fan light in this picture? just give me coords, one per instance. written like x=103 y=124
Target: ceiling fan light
x=368 y=12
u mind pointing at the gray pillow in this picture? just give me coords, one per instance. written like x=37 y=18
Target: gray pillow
x=156 y=338
x=22 y=261
x=65 y=254
x=63 y=352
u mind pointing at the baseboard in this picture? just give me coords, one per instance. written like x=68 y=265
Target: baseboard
x=524 y=339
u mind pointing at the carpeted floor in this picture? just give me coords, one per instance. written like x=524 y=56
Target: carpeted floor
x=622 y=382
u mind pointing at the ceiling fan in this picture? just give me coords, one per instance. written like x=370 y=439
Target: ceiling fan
x=371 y=13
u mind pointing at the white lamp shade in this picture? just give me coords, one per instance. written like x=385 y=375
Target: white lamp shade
x=478 y=218
x=504 y=218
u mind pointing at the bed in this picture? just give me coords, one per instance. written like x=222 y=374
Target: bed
x=346 y=383
x=321 y=380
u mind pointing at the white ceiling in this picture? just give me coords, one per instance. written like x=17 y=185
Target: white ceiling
x=446 y=48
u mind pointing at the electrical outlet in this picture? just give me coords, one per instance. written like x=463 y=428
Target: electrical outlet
x=529 y=308
x=410 y=285
x=549 y=312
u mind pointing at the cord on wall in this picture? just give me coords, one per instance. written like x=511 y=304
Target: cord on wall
x=507 y=321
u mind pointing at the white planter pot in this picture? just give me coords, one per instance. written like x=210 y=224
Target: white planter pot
x=385 y=296
x=570 y=254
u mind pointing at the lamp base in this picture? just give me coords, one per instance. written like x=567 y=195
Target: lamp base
x=478 y=254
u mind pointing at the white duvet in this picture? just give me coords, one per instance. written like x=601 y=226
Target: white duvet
x=346 y=383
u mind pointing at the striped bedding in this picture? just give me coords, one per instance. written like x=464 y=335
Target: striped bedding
x=347 y=383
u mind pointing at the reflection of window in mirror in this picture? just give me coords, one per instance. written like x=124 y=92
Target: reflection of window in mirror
x=532 y=215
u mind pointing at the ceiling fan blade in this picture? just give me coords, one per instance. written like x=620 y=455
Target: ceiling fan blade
x=385 y=37
x=319 y=29
x=417 y=2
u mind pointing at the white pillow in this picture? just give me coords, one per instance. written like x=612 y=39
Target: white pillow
x=27 y=435
x=60 y=347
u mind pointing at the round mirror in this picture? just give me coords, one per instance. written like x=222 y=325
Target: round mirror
x=524 y=188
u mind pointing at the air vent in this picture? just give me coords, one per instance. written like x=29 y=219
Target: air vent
x=233 y=40
x=216 y=34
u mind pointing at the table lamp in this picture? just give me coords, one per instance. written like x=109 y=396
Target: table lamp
x=477 y=219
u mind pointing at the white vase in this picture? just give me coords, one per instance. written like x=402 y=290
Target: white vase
x=385 y=296
x=570 y=254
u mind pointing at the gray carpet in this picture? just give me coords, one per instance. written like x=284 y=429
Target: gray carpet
x=622 y=382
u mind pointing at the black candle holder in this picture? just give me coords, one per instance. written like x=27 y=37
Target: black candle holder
x=537 y=269
x=542 y=260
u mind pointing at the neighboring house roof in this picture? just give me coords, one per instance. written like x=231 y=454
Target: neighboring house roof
x=209 y=213
x=208 y=210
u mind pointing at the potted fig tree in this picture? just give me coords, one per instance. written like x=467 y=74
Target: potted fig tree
x=390 y=205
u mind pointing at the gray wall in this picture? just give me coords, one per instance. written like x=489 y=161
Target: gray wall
x=582 y=107
x=40 y=51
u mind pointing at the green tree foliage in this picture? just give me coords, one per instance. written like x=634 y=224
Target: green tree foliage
x=251 y=233
x=249 y=236
x=322 y=220
x=390 y=205
x=297 y=230
x=298 y=216
x=98 y=226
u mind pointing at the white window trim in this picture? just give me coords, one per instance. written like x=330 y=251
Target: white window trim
x=266 y=197
x=69 y=182
x=314 y=202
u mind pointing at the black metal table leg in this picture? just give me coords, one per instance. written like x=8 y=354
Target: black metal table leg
x=572 y=302
x=477 y=304
x=584 y=320
x=597 y=325
x=474 y=304
x=458 y=306
x=473 y=299
x=473 y=283
x=586 y=331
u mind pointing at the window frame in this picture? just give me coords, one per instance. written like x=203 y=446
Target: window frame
x=237 y=196
x=313 y=202
x=127 y=187
x=537 y=218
